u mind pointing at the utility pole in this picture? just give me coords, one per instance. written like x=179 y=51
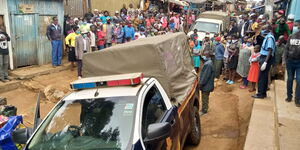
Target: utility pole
x=269 y=8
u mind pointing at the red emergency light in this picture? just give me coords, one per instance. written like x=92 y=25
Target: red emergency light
x=114 y=80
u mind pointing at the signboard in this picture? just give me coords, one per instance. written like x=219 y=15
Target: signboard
x=26 y=8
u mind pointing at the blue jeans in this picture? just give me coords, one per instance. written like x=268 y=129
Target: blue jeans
x=293 y=67
x=56 y=52
x=100 y=47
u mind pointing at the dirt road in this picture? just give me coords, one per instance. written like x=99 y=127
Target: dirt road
x=223 y=128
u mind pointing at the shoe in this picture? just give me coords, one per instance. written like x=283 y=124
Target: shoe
x=228 y=81
x=231 y=82
x=258 y=96
x=288 y=99
x=252 y=90
x=79 y=77
x=297 y=104
x=243 y=87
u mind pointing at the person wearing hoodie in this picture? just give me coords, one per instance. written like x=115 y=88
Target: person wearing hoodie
x=206 y=82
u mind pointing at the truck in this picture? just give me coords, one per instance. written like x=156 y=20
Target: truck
x=211 y=22
x=139 y=95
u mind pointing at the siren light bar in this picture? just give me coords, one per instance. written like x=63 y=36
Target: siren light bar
x=113 y=80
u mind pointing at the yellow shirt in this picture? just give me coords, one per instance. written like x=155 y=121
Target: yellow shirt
x=71 y=37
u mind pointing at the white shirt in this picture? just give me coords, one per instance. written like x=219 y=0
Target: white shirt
x=84 y=45
x=93 y=39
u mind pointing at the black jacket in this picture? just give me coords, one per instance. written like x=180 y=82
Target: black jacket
x=207 y=77
x=4 y=43
x=53 y=33
x=293 y=47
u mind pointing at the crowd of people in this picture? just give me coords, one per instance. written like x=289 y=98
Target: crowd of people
x=254 y=49
x=102 y=30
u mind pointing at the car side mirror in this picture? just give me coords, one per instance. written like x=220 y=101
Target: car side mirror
x=21 y=135
x=157 y=132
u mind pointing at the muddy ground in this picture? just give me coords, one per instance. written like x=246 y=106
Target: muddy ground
x=223 y=128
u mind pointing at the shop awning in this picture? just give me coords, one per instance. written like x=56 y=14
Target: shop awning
x=179 y=2
x=196 y=1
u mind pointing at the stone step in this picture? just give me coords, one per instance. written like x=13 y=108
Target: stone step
x=287 y=119
x=261 y=130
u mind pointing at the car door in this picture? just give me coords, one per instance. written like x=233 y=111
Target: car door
x=155 y=111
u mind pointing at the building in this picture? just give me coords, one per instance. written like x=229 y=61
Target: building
x=26 y=22
x=112 y=5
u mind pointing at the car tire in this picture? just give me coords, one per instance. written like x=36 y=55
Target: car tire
x=195 y=135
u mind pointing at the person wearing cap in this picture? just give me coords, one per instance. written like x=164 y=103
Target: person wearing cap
x=267 y=54
x=82 y=45
x=290 y=22
x=219 y=56
x=291 y=58
x=117 y=18
x=96 y=13
x=206 y=81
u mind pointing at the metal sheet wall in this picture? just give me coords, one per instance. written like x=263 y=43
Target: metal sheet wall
x=41 y=8
x=112 y=5
x=74 y=8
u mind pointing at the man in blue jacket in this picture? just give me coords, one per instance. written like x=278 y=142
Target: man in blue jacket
x=129 y=32
x=206 y=82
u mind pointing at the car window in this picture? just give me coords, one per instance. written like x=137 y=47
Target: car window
x=153 y=109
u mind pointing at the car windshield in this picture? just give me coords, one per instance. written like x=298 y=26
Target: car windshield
x=88 y=124
x=206 y=27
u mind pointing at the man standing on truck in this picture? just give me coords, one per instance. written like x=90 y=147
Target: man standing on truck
x=206 y=82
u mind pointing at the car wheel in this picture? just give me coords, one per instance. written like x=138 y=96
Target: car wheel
x=195 y=135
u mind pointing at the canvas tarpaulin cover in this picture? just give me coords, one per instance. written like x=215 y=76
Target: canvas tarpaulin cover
x=166 y=58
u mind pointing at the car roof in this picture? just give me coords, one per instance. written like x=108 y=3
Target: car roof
x=115 y=91
x=219 y=13
x=209 y=20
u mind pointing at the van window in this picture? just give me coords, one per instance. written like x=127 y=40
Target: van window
x=153 y=110
x=206 y=27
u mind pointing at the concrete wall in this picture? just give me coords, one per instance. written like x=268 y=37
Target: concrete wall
x=112 y=5
x=4 y=12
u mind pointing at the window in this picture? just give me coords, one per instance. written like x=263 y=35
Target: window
x=153 y=109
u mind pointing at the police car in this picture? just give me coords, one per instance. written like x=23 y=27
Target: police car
x=119 y=112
